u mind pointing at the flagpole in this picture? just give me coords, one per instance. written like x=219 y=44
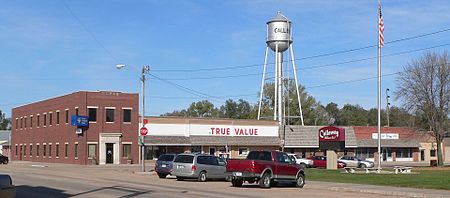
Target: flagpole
x=379 y=90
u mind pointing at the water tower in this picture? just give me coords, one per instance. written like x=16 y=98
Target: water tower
x=279 y=39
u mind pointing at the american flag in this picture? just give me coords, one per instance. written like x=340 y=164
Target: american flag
x=380 y=28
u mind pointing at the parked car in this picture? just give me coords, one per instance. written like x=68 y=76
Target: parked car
x=198 y=166
x=305 y=163
x=7 y=189
x=356 y=162
x=321 y=162
x=3 y=159
x=265 y=168
x=164 y=165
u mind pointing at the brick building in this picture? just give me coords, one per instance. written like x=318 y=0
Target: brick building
x=43 y=131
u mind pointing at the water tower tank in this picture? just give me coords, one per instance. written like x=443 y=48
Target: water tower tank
x=279 y=32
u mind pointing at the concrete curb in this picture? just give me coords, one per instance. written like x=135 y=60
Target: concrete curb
x=390 y=191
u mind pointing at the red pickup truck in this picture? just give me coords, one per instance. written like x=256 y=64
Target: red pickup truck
x=266 y=168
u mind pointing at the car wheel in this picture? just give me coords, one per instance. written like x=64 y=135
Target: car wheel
x=265 y=181
x=363 y=166
x=180 y=178
x=300 y=181
x=162 y=175
x=236 y=182
x=202 y=176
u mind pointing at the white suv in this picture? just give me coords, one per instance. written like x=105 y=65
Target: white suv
x=302 y=161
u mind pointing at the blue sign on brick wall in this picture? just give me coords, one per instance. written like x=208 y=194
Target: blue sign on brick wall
x=82 y=121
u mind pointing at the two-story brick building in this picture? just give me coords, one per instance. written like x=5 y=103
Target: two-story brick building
x=43 y=131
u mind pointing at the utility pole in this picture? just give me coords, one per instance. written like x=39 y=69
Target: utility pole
x=145 y=69
x=387 y=106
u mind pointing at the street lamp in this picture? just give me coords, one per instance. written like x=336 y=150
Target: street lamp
x=145 y=70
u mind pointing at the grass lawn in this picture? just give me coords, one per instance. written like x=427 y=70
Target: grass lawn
x=433 y=178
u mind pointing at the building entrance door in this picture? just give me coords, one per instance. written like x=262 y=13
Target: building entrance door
x=387 y=154
x=109 y=153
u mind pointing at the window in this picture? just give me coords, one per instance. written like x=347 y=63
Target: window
x=51 y=119
x=109 y=115
x=76 y=111
x=260 y=155
x=21 y=123
x=45 y=150
x=25 y=122
x=37 y=150
x=126 y=151
x=403 y=153
x=31 y=121
x=16 y=149
x=76 y=150
x=243 y=151
x=45 y=119
x=31 y=150
x=92 y=114
x=57 y=117
x=92 y=151
x=67 y=116
x=38 y=121
x=50 y=150
x=66 y=150
x=433 y=153
x=17 y=123
x=184 y=158
x=24 y=150
x=57 y=150
x=126 y=115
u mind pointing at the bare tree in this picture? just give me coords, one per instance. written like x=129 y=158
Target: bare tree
x=424 y=87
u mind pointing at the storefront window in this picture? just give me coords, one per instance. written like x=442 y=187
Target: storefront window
x=364 y=153
x=126 y=151
x=196 y=149
x=433 y=153
x=403 y=153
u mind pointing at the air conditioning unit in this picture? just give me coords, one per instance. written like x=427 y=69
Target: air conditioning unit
x=79 y=131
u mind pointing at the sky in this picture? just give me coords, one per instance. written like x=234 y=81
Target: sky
x=211 y=50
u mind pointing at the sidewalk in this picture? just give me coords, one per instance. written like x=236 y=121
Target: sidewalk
x=383 y=190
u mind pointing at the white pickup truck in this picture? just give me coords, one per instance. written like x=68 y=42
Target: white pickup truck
x=302 y=161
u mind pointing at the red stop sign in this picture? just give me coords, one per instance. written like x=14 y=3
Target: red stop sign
x=143 y=131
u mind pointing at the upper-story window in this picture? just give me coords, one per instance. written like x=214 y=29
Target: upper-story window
x=38 y=120
x=126 y=115
x=67 y=116
x=17 y=123
x=45 y=119
x=51 y=118
x=76 y=110
x=21 y=123
x=92 y=114
x=110 y=114
x=31 y=121
x=25 y=125
x=57 y=117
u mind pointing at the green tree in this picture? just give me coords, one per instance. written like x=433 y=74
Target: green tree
x=372 y=117
x=5 y=123
x=353 y=115
x=424 y=88
x=399 y=117
x=332 y=110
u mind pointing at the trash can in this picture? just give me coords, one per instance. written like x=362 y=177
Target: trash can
x=433 y=162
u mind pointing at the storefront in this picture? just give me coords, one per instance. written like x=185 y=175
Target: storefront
x=221 y=137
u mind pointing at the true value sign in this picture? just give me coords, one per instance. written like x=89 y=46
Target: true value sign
x=331 y=138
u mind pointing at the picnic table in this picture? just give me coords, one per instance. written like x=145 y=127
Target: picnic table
x=350 y=169
x=402 y=169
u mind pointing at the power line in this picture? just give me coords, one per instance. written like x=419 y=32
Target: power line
x=186 y=89
x=312 y=67
x=88 y=31
x=303 y=58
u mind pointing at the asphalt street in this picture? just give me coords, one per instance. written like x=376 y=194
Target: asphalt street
x=61 y=180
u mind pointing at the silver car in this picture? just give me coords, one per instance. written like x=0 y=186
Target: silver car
x=198 y=166
x=356 y=162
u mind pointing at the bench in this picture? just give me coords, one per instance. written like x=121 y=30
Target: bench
x=371 y=170
x=350 y=169
x=402 y=169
